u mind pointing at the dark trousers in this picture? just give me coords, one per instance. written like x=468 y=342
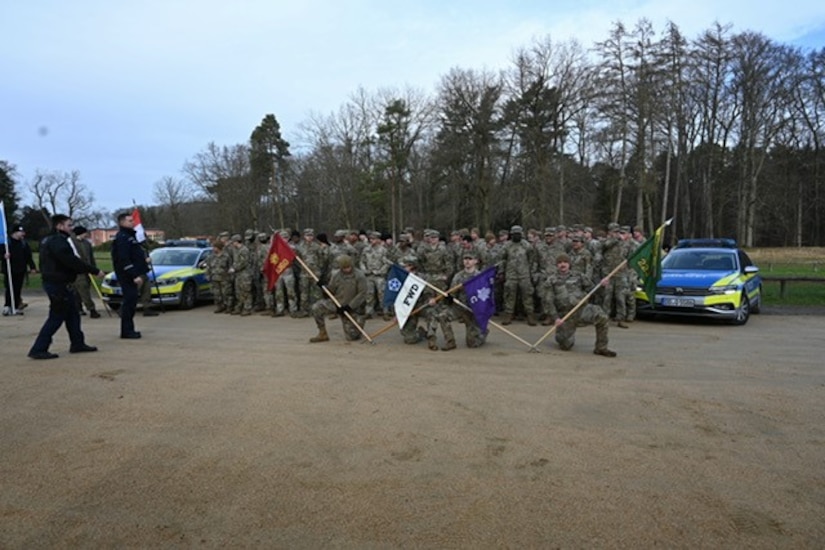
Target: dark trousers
x=16 y=286
x=129 y=305
x=62 y=309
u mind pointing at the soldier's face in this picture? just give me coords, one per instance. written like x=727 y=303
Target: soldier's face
x=563 y=267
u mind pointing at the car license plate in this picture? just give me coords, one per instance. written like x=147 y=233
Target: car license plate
x=677 y=302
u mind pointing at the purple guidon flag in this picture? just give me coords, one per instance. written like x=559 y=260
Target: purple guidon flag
x=480 y=294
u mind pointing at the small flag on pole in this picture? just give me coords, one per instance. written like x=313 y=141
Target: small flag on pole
x=407 y=297
x=278 y=260
x=140 y=234
x=480 y=294
x=647 y=261
x=395 y=280
x=2 y=223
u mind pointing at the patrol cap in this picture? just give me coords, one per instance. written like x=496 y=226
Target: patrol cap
x=624 y=229
x=549 y=230
x=236 y=238
x=470 y=253
x=344 y=261
x=374 y=235
x=588 y=229
x=612 y=226
x=560 y=228
x=562 y=258
x=249 y=233
x=410 y=260
x=517 y=229
x=503 y=232
x=340 y=233
x=223 y=234
x=17 y=228
x=309 y=231
x=577 y=239
x=262 y=237
x=284 y=233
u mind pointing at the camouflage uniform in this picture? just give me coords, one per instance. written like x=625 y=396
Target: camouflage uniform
x=315 y=257
x=285 y=294
x=350 y=289
x=339 y=247
x=229 y=280
x=436 y=266
x=474 y=337
x=517 y=263
x=262 y=299
x=632 y=283
x=217 y=271
x=243 y=270
x=411 y=332
x=614 y=252
x=562 y=292
x=375 y=264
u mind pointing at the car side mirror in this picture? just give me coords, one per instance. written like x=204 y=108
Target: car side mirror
x=751 y=269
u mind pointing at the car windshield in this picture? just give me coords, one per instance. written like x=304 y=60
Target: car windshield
x=700 y=260
x=165 y=256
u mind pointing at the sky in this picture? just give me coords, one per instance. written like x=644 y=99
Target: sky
x=127 y=92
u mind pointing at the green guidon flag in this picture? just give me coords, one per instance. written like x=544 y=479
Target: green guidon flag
x=647 y=261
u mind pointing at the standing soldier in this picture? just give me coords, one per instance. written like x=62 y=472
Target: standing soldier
x=229 y=278
x=82 y=284
x=349 y=286
x=563 y=291
x=436 y=268
x=217 y=271
x=614 y=252
x=517 y=263
x=315 y=257
x=242 y=269
x=375 y=264
x=261 y=251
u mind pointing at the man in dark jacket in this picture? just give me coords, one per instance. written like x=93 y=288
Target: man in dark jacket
x=131 y=268
x=19 y=257
x=60 y=264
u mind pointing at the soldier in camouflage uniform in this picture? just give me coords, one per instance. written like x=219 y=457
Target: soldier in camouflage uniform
x=494 y=253
x=339 y=246
x=229 y=278
x=260 y=301
x=614 y=252
x=518 y=260
x=217 y=268
x=436 y=267
x=375 y=264
x=562 y=292
x=315 y=257
x=474 y=336
x=411 y=332
x=349 y=286
x=243 y=271
x=634 y=242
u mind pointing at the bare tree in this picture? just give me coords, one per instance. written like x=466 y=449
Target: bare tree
x=171 y=194
x=64 y=193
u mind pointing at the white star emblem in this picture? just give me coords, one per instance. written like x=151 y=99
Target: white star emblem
x=394 y=285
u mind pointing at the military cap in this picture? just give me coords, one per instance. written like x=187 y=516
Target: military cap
x=410 y=260
x=78 y=230
x=562 y=258
x=470 y=253
x=431 y=233
x=549 y=230
x=624 y=229
x=577 y=227
x=263 y=237
x=560 y=228
x=223 y=234
x=612 y=226
x=340 y=233
x=284 y=234
x=309 y=231
x=236 y=238
x=344 y=261
x=517 y=229
x=249 y=233
x=503 y=232
x=588 y=229
x=374 y=235
x=409 y=229
x=577 y=238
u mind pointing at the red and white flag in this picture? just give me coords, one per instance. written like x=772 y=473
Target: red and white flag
x=139 y=232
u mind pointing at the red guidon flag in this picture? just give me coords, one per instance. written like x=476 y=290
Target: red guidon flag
x=279 y=259
x=140 y=234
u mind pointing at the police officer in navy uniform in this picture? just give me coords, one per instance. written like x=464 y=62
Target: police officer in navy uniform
x=60 y=264
x=131 y=268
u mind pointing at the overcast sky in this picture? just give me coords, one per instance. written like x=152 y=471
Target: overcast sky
x=126 y=92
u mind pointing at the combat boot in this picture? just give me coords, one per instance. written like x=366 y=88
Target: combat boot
x=432 y=343
x=621 y=324
x=220 y=309
x=508 y=318
x=604 y=352
x=321 y=337
x=449 y=345
x=531 y=319
x=246 y=313
x=93 y=313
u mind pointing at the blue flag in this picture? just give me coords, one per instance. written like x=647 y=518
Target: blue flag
x=395 y=280
x=2 y=223
x=480 y=294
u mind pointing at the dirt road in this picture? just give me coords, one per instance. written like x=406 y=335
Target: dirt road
x=217 y=431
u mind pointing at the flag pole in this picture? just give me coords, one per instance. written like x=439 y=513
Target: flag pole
x=332 y=297
x=99 y=294
x=417 y=310
x=468 y=308
x=151 y=267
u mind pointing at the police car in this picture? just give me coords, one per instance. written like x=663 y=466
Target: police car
x=709 y=278
x=181 y=280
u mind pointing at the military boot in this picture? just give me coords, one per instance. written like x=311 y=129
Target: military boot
x=321 y=337
x=507 y=319
x=605 y=352
x=432 y=343
x=220 y=309
x=531 y=319
x=94 y=314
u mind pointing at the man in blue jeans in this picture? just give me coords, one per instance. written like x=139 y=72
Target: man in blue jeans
x=131 y=268
x=60 y=264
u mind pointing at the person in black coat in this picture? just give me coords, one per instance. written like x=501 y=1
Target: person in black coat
x=18 y=254
x=60 y=264
x=131 y=268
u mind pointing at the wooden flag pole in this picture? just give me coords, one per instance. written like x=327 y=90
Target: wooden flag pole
x=419 y=309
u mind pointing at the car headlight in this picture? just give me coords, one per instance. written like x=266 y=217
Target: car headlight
x=727 y=289
x=168 y=282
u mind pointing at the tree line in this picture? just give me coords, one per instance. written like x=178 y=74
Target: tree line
x=723 y=131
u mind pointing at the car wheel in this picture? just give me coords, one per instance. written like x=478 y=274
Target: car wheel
x=188 y=296
x=757 y=306
x=743 y=312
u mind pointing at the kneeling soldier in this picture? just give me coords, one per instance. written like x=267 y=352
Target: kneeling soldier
x=349 y=286
x=563 y=291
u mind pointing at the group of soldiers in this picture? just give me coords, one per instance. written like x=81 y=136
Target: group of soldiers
x=531 y=282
